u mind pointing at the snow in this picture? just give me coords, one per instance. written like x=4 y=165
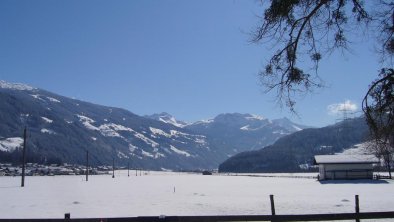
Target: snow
x=281 y=132
x=121 y=155
x=116 y=127
x=201 y=140
x=49 y=131
x=111 y=130
x=178 y=151
x=159 y=132
x=146 y=139
x=87 y=122
x=171 y=121
x=145 y=153
x=204 y=121
x=15 y=86
x=10 y=144
x=53 y=100
x=346 y=159
x=46 y=119
x=254 y=117
x=358 y=149
x=296 y=128
x=248 y=128
x=36 y=96
x=177 y=134
x=245 y=128
x=152 y=194
x=159 y=155
x=132 y=148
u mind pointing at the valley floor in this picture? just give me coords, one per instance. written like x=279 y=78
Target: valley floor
x=165 y=193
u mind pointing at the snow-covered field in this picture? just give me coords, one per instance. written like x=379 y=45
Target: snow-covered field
x=165 y=193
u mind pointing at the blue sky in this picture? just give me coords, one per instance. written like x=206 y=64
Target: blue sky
x=190 y=58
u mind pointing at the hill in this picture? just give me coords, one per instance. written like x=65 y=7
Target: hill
x=293 y=153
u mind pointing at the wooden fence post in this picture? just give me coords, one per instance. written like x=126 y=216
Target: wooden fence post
x=357 y=208
x=272 y=205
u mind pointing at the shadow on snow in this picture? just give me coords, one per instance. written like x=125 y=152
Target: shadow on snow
x=361 y=181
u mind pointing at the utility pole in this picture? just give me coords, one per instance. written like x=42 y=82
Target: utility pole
x=23 y=158
x=113 y=167
x=128 y=169
x=87 y=165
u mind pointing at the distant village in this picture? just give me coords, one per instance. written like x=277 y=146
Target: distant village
x=35 y=169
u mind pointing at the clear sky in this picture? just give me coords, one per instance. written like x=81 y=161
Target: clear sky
x=190 y=58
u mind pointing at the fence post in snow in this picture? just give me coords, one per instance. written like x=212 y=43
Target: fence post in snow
x=87 y=165
x=67 y=216
x=272 y=204
x=357 y=208
x=113 y=167
x=24 y=157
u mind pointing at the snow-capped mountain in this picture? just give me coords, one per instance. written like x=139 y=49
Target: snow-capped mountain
x=167 y=118
x=15 y=86
x=243 y=132
x=62 y=130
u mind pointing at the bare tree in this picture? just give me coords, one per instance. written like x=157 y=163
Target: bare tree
x=378 y=106
x=302 y=29
x=305 y=31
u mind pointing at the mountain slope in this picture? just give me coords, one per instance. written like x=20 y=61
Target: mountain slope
x=293 y=152
x=62 y=130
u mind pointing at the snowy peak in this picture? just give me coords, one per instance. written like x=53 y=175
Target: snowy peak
x=288 y=124
x=15 y=86
x=238 y=117
x=239 y=132
x=250 y=122
x=241 y=121
x=167 y=118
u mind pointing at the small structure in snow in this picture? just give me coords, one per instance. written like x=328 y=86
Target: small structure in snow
x=206 y=172
x=343 y=167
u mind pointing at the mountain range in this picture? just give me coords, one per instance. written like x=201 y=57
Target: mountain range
x=295 y=152
x=62 y=130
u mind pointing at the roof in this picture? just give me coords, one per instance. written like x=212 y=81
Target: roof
x=351 y=159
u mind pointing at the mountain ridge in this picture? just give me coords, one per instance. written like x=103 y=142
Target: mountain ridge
x=62 y=129
x=294 y=152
